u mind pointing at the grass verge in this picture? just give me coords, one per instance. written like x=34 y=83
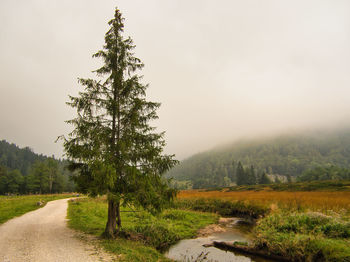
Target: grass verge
x=13 y=206
x=146 y=235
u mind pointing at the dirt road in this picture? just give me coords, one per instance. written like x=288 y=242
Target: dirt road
x=42 y=236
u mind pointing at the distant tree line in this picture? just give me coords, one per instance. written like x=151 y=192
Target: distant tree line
x=325 y=173
x=23 y=172
x=239 y=174
x=248 y=176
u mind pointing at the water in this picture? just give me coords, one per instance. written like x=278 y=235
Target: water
x=191 y=249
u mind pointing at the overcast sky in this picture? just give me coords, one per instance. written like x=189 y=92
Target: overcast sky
x=221 y=69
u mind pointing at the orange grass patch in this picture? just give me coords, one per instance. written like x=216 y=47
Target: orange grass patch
x=316 y=201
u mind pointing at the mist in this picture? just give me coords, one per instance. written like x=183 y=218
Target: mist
x=223 y=70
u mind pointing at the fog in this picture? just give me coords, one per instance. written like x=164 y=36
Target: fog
x=222 y=70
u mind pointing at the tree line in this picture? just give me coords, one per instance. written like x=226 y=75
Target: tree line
x=44 y=177
x=250 y=176
x=238 y=174
x=325 y=173
x=23 y=172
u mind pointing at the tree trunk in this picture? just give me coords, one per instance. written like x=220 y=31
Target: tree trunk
x=119 y=221
x=110 y=231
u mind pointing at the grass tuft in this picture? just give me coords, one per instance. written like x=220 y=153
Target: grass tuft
x=304 y=236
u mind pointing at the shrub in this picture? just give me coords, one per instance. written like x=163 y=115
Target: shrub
x=157 y=235
x=222 y=207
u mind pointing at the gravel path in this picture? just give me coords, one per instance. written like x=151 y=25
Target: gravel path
x=43 y=236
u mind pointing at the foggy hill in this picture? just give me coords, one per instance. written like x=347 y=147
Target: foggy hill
x=282 y=155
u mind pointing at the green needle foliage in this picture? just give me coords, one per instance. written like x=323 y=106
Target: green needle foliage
x=112 y=145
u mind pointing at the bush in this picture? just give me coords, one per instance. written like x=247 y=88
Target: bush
x=157 y=235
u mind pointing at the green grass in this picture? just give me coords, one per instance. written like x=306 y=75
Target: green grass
x=147 y=235
x=305 y=236
x=13 y=206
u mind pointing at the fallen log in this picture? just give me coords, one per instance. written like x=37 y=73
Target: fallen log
x=208 y=245
x=248 y=250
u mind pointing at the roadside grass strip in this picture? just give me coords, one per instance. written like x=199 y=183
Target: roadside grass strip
x=14 y=206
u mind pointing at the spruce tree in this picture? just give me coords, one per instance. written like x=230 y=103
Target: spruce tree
x=241 y=175
x=264 y=179
x=251 y=176
x=113 y=146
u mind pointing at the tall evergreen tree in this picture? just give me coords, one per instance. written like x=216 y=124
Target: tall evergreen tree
x=112 y=144
x=264 y=179
x=251 y=176
x=38 y=178
x=241 y=175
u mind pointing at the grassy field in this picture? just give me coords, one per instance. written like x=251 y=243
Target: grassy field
x=315 y=201
x=13 y=206
x=145 y=235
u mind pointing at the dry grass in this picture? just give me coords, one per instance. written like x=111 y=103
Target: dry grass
x=315 y=201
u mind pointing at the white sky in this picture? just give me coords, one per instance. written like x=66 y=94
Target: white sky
x=222 y=69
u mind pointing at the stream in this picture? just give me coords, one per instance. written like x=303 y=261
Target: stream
x=189 y=250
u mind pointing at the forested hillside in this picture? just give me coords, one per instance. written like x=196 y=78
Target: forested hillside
x=288 y=155
x=13 y=157
x=22 y=171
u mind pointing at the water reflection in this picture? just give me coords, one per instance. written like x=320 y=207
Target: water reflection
x=190 y=249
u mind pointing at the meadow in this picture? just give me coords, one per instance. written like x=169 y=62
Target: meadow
x=13 y=206
x=315 y=201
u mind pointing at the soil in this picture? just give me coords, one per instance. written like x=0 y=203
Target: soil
x=210 y=229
